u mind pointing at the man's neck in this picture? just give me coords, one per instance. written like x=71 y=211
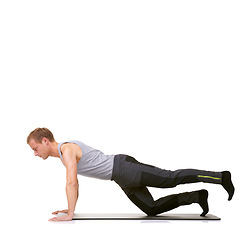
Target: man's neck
x=54 y=150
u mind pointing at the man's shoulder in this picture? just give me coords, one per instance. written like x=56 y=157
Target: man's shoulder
x=71 y=149
x=69 y=146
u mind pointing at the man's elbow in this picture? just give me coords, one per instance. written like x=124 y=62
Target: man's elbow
x=72 y=184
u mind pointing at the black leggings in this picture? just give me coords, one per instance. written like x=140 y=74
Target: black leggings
x=134 y=177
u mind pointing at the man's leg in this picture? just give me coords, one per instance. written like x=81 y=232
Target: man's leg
x=142 y=198
x=155 y=177
x=130 y=173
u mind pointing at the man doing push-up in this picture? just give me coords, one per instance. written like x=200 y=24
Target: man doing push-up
x=132 y=176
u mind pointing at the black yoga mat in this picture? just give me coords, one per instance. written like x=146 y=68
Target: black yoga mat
x=130 y=216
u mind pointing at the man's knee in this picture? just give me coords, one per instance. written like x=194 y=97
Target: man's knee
x=146 y=207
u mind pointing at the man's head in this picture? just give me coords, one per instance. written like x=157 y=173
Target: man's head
x=40 y=141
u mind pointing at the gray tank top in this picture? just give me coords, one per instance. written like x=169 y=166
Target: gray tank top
x=93 y=163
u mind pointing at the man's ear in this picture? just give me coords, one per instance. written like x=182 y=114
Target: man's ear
x=45 y=141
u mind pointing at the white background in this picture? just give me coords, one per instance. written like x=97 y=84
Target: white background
x=158 y=80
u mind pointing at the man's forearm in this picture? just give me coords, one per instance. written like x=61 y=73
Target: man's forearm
x=72 y=196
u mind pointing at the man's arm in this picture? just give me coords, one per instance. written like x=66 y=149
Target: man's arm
x=69 y=160
x=71 y=186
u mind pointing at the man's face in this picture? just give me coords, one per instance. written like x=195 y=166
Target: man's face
x=40 y=149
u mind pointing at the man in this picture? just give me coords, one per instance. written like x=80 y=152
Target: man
x=132 y=176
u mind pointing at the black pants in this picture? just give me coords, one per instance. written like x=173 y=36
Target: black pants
x=134 y=177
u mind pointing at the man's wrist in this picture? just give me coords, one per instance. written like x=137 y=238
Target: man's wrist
x=70 y=214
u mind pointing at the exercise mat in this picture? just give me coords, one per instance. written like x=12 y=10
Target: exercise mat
x=131 y=216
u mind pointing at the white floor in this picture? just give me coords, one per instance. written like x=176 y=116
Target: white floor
x=158 y=80
x=39 y=228
x=36 y=225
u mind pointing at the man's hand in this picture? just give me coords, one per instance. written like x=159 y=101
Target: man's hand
x=63 y=211
x=61 y=218
x=67 y=217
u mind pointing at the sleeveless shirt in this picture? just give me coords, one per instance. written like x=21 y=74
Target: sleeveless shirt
x=93 y=162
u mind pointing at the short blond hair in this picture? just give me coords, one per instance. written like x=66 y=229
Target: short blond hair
x=39 y=133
